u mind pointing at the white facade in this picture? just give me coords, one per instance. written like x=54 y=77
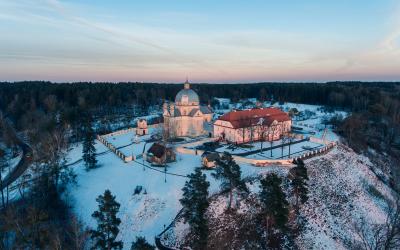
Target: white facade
x=142 y=127
x=249 y=127
x=185 y=117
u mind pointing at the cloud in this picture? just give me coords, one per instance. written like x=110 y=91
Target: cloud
x=390 y=41
x=182 y=60
x=381 y=59
x=82 y=21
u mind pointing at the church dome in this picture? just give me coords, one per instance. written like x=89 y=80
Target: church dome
x=187 y=96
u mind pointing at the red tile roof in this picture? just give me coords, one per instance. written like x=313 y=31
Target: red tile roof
x=251 y=117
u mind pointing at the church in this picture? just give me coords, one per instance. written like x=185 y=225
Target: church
x=186 y=117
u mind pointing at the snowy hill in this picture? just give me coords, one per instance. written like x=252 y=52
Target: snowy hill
x=344 y=192
x=144 y=214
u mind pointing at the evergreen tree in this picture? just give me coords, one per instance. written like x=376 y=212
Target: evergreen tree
x=195 y=204
x=141 y=244
x=299 y=184
x=274 y=209
x=107 y=223
x=88 y=150
x=228 y=171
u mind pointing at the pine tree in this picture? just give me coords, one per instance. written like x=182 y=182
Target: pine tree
x=299 y=184
x=107 y=223
x=195 y=204
x=228 y=171
x=274 y=208
x=141 y=244
x=88 y=150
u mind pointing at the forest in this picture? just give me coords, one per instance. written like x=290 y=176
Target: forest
x=375 y=105
x=52 y=115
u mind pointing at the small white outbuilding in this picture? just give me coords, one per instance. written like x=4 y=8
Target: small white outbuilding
x=142 y=128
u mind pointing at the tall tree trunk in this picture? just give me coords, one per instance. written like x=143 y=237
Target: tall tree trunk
x=2 y=188
x=230 y=196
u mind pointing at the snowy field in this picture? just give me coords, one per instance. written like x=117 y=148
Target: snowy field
x=132 y=144
x=143 y=214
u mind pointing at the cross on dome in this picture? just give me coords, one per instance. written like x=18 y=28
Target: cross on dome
x=187 y=85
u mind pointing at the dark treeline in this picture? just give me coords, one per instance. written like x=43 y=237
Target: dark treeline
x=90 y=95
x=375 y=105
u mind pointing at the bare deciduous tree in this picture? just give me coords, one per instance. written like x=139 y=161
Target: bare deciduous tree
x=383 y=236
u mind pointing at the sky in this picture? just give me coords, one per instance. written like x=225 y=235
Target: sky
x=205 y=40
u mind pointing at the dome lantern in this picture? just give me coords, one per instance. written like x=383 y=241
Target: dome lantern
x=186 y=85
x=187 y=96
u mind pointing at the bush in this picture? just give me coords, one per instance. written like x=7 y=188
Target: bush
x=138 y=190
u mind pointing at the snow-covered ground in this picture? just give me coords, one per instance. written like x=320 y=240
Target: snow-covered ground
x=341 y=195
x=343 y=192
x=147 y=213
x=296 y=149
x=143 y=214
x=137 y=144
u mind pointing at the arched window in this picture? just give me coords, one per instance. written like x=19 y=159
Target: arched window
x=185 y=99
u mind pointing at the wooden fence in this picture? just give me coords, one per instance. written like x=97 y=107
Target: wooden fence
x=316 y=152
x=117 y=152
x=125 y=158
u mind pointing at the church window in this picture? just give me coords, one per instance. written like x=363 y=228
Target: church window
x=185 y=99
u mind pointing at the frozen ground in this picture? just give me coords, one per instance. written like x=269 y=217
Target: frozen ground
x=144 y=214
x=136 y=143
x=343 y=191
